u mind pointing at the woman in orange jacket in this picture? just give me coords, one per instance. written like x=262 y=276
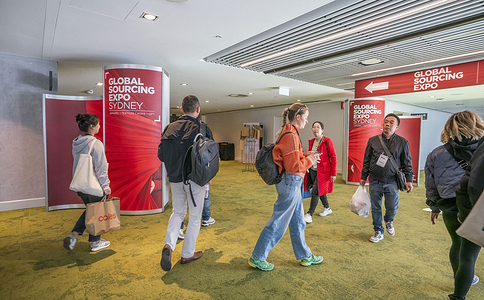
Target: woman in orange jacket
x=323 y=173
x=288 y=209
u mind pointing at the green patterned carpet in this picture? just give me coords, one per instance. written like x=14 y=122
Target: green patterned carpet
x=411 y=265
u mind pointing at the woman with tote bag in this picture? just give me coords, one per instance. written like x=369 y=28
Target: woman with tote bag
x=471 y=188
x=97 y=186
x=444 y=169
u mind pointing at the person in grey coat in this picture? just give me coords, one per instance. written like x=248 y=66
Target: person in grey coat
x=89 y=144
x=444 y=169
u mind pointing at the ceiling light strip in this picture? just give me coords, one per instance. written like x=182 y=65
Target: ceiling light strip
x=346 y=32
x=420 y=63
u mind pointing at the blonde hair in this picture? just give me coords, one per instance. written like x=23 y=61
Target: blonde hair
x=290 y=114
x=464 y=124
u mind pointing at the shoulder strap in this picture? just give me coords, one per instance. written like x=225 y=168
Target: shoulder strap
x=91 y=144
x=327 y=150
x=203 y=129
x=462 y=163
x=282 y=136
x=392 y=159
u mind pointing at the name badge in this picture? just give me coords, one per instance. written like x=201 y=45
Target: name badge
x=382 y=160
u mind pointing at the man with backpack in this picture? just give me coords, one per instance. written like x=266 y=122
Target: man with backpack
x=175 y=142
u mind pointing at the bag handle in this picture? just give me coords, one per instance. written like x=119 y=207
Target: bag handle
x=392 y=159
x=91 y=145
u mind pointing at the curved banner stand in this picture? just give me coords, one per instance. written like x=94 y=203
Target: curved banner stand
x=60 y=128
x=364 y=121
x=136 y=108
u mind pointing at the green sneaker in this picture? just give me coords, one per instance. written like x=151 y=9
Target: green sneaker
x=260 y=264
x=312 y=260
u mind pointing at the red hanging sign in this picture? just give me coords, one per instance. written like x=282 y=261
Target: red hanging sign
x=466 y=74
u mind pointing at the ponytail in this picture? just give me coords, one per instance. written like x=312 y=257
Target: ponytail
x=284 y=121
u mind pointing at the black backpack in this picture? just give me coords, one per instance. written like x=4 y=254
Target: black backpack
x=265 y=165
x=204 y=157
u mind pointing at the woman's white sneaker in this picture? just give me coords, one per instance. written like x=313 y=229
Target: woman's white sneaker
x=101 y=244
x=325 y=212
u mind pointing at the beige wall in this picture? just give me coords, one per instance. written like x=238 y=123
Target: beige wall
x=226 y=126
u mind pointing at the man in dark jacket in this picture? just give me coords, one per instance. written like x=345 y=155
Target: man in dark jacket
x=175 y=141
x=379 y=167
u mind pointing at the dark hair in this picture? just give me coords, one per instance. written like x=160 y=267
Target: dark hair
x=86 y=120
x=395 y=116
x=320 y=123
x=190 y=104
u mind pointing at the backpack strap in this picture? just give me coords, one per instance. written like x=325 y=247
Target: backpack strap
x=462 y=163
x=203 y=129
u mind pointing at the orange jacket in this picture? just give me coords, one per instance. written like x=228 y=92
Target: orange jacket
x=288 y=153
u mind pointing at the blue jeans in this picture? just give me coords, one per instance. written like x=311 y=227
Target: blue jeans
x=288 y=211
x=377 y=190
x=206 y=206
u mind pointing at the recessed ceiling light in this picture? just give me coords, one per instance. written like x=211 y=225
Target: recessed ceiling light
x=250 y=93
x=371 y=61
x=207 y=101
x=184 y=84
x=148 y=16
x=298 y=100
x=252 y=105
x=99 y=83
x=177 y=106
x=432 y=96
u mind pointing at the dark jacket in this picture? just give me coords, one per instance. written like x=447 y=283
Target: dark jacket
x=400 y=150
x=443 y=173
x=472 y=183
x=175 y=141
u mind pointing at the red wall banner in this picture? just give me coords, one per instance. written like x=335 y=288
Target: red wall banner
x=60 y=128
x=466 y=74
x=365 y=120
x=132 y=130
x=410 y=129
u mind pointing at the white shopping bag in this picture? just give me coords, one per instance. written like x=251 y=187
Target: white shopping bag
x=360 y=202
x=473 y=227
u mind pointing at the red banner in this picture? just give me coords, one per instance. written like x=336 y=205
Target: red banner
x=365 y=120
x=466 y=74
x=409 y=128
x=132 y=103
x=60 y=128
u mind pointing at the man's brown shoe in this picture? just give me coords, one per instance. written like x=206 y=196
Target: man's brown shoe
x=195 y=256
x=166 y=258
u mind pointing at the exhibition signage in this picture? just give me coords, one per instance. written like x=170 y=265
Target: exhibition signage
x=365 y=120
x=60 y=129
x=409 y=128
x=459 y=75
x=132 y=130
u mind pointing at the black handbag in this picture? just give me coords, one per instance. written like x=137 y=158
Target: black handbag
x=399 y=176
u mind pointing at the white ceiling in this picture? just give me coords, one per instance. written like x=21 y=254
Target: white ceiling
x=85 y=35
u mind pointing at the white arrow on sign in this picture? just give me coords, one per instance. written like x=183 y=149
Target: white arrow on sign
x=377 y=86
